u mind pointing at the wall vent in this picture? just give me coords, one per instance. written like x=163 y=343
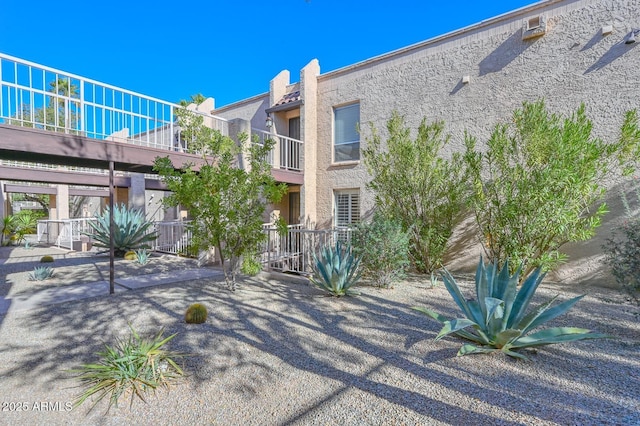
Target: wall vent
x=534 y=27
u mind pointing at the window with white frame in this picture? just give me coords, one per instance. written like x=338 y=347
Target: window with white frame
x=346 y=140
x=347 y=207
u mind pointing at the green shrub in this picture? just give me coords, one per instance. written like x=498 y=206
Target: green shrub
x=41 y=273
x=25 y=222
x=540 y=183
x=131 y=230
x=135 y=365
x=46 y=259
x=336 y=269
x=8 y=228
x=142 y=256
x=196 y=314
x=497 y=318
x=384 y=249
x=251 y=265
x=415 y=185
x=622 y=249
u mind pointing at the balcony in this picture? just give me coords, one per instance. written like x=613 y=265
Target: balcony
x=286 y=158
x=44 y=98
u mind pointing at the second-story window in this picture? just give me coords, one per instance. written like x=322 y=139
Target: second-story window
x=346 y=139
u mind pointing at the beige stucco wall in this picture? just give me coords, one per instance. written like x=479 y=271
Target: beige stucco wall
x=572 y=63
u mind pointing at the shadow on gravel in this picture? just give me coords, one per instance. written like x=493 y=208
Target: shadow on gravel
x=369 y=343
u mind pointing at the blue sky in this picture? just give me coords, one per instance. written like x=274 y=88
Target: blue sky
x=227 y=49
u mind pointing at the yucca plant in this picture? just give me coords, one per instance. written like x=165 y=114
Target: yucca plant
x=135 y=366
x=336 y=269
x=41 y=273
x=142 y=256
x=131 y=230
x=497 y=320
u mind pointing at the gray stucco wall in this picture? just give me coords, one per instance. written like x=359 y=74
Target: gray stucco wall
x=572 y=63
x=251 y=110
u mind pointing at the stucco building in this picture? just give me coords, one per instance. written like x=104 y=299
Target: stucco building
x=565 y=51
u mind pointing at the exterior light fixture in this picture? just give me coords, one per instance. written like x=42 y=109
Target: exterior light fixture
x=631 y=38
x=269 y=122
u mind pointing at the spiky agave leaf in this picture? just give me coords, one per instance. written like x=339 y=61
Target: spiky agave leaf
x=41 y=273
x=131 y=230
x=498 y=318
x=336 y=269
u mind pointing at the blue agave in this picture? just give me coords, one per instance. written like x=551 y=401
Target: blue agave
x=41 y=273
x=336 y=269
x=131 y=230
x=142 y=256
x=498 y=320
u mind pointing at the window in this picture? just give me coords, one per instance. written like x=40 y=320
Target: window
x=346 y=139
x=347 y=207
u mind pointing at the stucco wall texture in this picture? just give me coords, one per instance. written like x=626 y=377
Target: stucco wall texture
x=572 y=63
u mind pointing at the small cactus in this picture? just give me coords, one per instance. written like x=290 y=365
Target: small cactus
x=46 y=259
x=130 y=255
x=196 y=314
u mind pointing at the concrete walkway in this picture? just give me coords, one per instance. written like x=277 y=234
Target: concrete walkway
x=55 y=295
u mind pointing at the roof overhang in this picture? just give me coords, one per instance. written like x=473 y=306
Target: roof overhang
x=285 y=107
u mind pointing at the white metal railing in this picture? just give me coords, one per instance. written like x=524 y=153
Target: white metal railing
x=37 y=96
x=67 y=233
x=290 y=150
x=44 y=166
x=173 y=237
x=293 y=251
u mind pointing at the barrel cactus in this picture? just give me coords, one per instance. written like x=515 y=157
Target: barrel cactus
x=196 y=314
x=46 y=259
x=130 y=255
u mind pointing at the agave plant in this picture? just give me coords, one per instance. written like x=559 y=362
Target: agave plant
x=497 y=320
x=142 y=256
x=336 y=269
x=41 y=273
x=132 y=366
x=131 y=230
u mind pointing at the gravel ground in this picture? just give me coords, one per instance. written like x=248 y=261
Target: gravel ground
x=277 y=351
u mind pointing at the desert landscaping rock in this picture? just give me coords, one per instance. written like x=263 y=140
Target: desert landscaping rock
x=278 y=352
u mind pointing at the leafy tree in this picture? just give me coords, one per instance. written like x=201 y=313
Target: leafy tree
x=41 y=199
x=540 y=183
x=225 y=201
x=413 y=184
x=197 y=99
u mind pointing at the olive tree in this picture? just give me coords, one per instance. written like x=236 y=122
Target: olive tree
x=415 y=185
x=226 y=201
x=540 y=183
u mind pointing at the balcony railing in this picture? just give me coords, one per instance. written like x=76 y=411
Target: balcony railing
x=287 y=152
x=293 y=251
x=67 y=233
x=37 y=96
